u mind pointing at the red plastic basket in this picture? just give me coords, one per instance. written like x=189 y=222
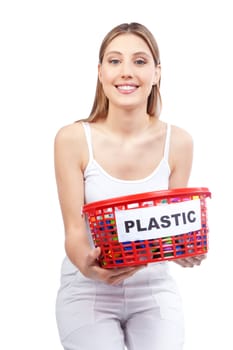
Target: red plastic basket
x=150 y=227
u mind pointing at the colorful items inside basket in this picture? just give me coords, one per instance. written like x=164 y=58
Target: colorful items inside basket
x=150 y=227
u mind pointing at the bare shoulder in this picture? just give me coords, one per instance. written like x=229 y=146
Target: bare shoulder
x=68 y=134
x=180 y=157
x=69 y=145
x=180 y=137
x=181 y=147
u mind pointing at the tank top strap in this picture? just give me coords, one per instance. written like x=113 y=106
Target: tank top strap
x=167 y=142
x=87 y=131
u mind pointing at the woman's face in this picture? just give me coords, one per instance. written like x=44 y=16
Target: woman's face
x=128 y=72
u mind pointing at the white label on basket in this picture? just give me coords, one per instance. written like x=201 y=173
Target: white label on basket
x=158 y=221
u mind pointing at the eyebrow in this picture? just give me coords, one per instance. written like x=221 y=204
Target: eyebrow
x=138 y=53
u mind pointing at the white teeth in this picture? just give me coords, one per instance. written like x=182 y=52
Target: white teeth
x=126 y=87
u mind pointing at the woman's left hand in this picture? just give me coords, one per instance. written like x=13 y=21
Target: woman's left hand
x=191 y=261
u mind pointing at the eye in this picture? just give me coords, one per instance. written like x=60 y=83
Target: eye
x=140 y=61
x=114 y=61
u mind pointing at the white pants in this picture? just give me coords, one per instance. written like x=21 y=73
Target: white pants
x=143 y=313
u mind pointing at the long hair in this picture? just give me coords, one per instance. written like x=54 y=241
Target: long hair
x=154 y=102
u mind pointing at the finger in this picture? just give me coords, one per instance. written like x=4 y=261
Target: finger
x=184 y=262
x=119 y=275
x=191 y=261
x=202 y=257
x=180 y=262
x=119 y=279
x=197 y=260
x=124 y=270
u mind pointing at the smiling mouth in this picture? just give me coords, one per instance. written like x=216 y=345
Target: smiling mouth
x=127 y=88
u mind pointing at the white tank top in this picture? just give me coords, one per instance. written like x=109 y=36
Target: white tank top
x=100 y=185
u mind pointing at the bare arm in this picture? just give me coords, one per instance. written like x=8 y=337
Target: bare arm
x=181 y=164
x=70 y=191
x=70 y=160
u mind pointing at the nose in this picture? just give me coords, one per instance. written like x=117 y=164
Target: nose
x=126 y=70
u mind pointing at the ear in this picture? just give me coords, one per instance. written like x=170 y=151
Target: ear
x=100 y=72
x=157 y=74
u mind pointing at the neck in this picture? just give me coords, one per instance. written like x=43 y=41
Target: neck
x=128 y=122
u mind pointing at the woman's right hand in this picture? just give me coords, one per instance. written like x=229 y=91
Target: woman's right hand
x=191 y=261
x=112 y=276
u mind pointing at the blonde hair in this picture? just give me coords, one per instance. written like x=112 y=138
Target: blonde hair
x=154 y=102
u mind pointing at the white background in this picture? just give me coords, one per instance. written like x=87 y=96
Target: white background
x=48 y=62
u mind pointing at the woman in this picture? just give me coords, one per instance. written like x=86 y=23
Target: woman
x=122 y=148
